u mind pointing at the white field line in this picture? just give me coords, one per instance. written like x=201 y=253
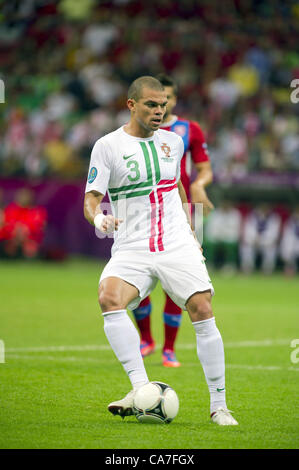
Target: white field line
x=86 y=347
x=261 y=367
x=106 y=347
x=193 y=364
x=56 y=358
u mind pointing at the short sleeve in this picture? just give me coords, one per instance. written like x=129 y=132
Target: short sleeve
x=99 y=169
x=198 y=146
x=181 y=151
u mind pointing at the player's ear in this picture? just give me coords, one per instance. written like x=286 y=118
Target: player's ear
x=131 y=104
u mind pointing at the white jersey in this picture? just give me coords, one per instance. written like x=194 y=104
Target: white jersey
x=141 y=176
x=224 y=225
x=289 y=247
x=261 y=230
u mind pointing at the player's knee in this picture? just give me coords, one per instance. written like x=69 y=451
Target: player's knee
x=203 y=311
x=109 y=300
x=200 y=307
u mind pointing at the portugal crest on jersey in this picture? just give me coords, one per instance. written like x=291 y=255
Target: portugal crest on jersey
x=166 y=149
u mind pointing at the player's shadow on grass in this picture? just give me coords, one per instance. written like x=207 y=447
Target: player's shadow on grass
x=200 y=425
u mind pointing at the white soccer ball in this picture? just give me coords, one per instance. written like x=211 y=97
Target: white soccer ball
x=155 y=402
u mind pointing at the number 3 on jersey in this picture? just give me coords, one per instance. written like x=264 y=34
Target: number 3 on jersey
x=134 y=169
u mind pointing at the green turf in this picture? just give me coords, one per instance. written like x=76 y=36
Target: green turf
x=51 y=398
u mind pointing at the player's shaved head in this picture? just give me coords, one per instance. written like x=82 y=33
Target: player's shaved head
x=135 y=89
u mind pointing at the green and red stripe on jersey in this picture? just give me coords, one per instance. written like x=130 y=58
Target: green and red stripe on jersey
x=157 y=236
x=140 y=189
x=146 y=188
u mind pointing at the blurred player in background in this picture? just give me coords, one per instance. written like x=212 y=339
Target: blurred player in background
x=261 y=233
x=289 y=247
x=196 y=153
x=222 y=235
x=23 y=226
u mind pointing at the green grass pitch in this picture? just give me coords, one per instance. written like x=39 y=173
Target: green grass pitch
x=59 y=372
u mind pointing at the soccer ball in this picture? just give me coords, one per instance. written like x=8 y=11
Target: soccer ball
x=155 y=402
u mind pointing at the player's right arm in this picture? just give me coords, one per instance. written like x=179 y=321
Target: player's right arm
x=94 y=215
x=96 y=187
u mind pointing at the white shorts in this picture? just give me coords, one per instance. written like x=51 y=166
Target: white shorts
x=181 y=271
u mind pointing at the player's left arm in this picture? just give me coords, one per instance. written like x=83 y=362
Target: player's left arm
x=201 y=161
x=197 y=188
x=182 y=192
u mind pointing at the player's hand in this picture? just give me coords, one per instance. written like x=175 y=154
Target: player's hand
x=107 y=223
x=198 y=194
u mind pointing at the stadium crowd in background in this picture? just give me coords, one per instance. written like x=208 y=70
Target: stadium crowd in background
x=66 y=66
x=260 y=238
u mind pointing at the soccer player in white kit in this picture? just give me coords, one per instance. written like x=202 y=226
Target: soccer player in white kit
x=289 y=246
x=139 y=166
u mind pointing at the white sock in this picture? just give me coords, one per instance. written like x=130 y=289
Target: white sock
x=125 y=342
x=210 y=352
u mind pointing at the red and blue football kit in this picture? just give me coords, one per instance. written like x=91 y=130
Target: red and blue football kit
x=195 y=146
